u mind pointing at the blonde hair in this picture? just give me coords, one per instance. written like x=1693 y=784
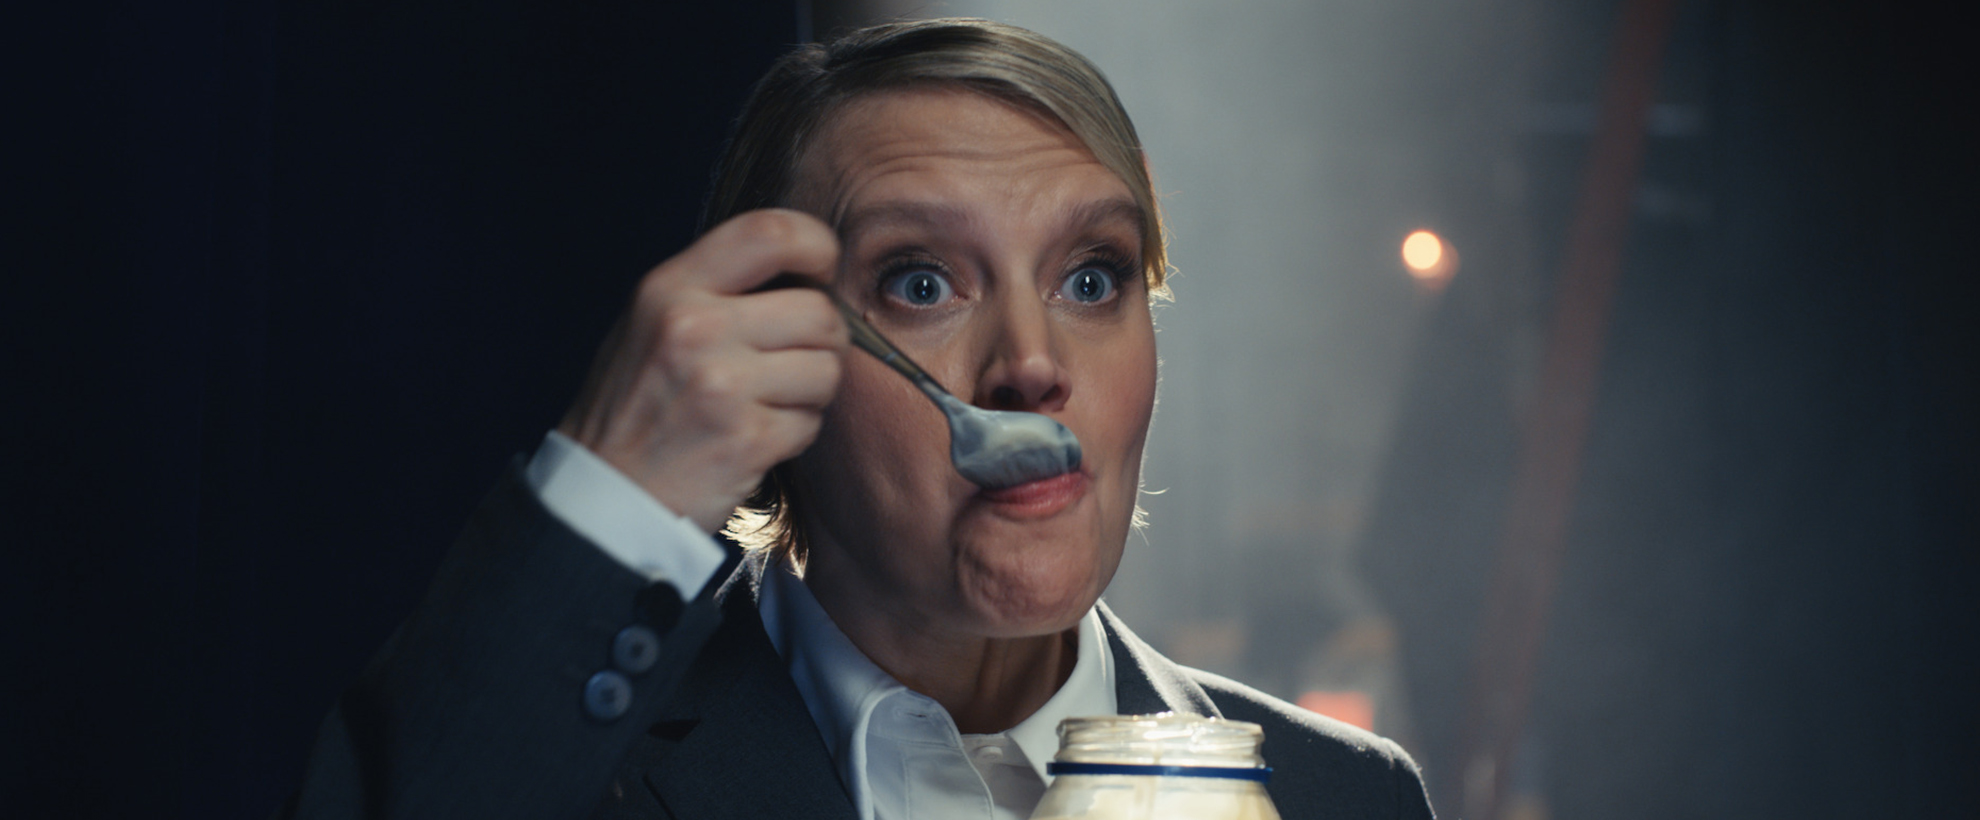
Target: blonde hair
x=804 y=88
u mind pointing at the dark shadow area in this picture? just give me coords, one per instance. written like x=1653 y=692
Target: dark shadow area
x=289 y=285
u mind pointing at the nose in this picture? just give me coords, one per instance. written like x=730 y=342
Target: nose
x=1024 y=369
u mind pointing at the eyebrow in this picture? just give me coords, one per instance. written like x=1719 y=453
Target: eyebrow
x=907 y=213
x=1085 y=215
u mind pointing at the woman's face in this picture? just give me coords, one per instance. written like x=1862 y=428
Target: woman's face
x=990 y=245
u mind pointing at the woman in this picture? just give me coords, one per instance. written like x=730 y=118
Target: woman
x=898 y=642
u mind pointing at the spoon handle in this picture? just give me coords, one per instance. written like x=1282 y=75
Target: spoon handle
x=866 y=338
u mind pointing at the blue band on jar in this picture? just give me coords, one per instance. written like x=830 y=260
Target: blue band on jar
x=1260 y=774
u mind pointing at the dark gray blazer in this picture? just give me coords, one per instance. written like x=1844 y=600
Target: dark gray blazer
x=474 y=708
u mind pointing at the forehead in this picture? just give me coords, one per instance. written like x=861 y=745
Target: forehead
x=943 y=144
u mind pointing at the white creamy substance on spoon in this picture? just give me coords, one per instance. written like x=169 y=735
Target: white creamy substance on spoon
x=996 y=449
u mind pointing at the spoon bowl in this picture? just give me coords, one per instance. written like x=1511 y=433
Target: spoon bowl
x=999 y=448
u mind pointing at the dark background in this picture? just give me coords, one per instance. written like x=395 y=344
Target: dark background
x=295 y=281
x=290 y=283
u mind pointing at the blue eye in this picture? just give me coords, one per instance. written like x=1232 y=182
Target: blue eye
x=920 y=288
x=1088 y=285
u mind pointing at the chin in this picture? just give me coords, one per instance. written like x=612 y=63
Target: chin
x=1032 y=590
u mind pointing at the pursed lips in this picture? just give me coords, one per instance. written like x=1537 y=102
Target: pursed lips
x=1041 y=498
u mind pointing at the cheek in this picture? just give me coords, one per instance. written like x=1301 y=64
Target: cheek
x=1126 y=397
x=881 y=452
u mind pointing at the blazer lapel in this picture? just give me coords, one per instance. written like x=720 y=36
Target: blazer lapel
x=745 y=746
x=737 y=741
x=1144 y=681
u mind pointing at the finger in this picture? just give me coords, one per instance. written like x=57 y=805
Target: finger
x=789 y=431
x=744 y=252
x=796 y=379
x=794 y=318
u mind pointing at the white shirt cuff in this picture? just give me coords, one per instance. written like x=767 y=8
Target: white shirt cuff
x=618 y=516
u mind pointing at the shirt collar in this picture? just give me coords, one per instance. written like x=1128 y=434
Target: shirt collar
x=1088 y=691
x=841 y=686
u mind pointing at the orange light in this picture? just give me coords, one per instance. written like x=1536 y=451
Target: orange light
x=1430 y=260
x=1422 y=251
x=1352 y=708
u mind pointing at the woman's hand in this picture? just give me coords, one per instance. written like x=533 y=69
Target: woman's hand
x=706 y=385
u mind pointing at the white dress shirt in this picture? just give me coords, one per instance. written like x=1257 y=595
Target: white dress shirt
x=618 y=516
x=898 y=751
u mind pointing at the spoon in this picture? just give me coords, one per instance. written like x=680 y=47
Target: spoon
x=994 y=449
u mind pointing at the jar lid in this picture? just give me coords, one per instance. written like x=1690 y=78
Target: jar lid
x=1161 y=740
x=1258 y=774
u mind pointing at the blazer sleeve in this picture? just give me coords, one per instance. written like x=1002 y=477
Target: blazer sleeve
x=477 y=706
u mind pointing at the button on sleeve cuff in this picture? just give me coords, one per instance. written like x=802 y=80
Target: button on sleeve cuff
x=619 y=517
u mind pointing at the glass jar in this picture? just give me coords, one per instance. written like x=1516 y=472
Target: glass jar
x=1157 y=767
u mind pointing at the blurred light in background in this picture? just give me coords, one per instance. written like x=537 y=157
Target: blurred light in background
x=1352 y=708
x=1431 y=262
x=1422 y=252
